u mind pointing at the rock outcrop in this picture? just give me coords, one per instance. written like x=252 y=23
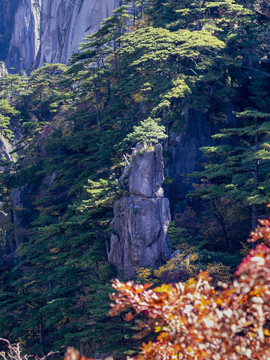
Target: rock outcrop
x=49 y=31
x=141 y=218
x=183 y=152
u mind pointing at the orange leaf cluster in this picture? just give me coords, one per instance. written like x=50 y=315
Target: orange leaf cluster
x=195 y=320
x=72 y=354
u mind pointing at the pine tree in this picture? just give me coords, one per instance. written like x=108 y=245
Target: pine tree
x=147 y=133
x=240 y=168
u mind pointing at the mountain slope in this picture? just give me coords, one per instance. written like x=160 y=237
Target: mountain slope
x=47 y=31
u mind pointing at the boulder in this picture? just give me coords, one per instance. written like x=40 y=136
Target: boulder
x=141 y=219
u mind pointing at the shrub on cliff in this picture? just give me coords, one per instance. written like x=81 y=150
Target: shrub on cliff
x=195 y=320
x=147 y=133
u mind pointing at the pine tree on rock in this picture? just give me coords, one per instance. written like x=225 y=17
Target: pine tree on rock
x=147 y=133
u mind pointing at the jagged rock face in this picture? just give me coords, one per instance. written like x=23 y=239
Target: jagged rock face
x=7 y=11
x=147 y=175
x=140 y=225
x=49 y=31
x=185 y=156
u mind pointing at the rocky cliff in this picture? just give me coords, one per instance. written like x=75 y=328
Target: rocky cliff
x=48 y=31
x=141 y=218
x=183 y=151
x=184 y=156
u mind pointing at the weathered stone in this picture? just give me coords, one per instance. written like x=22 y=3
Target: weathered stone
x=140 y=225
x=49 y=31
x=146 y=174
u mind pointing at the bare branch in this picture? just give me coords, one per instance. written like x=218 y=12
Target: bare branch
x=14 y=353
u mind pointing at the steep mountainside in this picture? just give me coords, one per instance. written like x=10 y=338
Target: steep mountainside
x=193 y=75
x=47 y=31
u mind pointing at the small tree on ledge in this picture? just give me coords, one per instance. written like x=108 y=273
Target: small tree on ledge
x=147 y=133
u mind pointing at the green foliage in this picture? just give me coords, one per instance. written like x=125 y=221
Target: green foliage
x=147 y=133
x=231 y=319
x=128 y=82
x=240 y=172
x=6 y=111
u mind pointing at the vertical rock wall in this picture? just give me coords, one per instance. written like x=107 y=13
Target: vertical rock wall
x=141 y=218
x=49 y=31
x=7 y=11
x=184 y=155
x=25 y=40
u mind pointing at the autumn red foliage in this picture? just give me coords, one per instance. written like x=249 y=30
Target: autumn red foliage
x=73 y=354
x=195 y=320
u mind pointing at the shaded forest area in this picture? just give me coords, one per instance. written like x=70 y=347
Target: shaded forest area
x=64 y=131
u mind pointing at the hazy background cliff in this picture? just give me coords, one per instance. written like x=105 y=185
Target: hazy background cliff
x=34 y=32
